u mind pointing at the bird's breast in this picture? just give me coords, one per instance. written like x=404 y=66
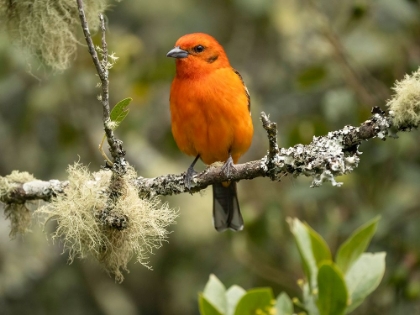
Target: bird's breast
x=210 y=116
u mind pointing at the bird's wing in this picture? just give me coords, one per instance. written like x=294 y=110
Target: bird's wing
x=246 y=89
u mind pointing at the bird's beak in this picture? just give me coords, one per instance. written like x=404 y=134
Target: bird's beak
x=177 y=53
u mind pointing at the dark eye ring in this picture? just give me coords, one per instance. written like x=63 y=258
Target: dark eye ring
x=198 y=48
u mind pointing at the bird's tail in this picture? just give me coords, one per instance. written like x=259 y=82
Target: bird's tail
x=226 y=212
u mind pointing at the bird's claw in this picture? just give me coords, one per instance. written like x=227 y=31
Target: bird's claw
x=228 y=168
x=189 y=174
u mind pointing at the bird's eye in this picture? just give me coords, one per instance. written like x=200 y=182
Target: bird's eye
x=198 y=48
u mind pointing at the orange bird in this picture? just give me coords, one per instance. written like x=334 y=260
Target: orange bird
x=210 y=114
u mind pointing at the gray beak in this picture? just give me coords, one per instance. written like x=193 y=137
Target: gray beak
x=177 y=53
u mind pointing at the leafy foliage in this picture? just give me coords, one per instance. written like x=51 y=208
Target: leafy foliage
x=350 y=250
x=235 y=301
x=329 y=288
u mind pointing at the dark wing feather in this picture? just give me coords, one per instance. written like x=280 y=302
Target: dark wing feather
x=246 y=89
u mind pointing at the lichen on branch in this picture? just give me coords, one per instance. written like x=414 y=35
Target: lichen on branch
x=86 y=223
x=405 y=103
x=114 y=217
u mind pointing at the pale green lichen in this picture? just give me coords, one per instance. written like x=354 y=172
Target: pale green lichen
x=20 y=219
x=49 y=29
x=405 y=103
x=83 y=234
x=15 y=179
x=18 y=214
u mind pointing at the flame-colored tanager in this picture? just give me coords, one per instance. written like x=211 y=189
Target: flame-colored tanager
x=210 y=114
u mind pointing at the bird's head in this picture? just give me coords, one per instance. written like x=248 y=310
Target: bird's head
x=197 y=54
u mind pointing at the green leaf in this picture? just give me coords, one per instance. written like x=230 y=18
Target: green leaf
x=364 y=277
x=355 y=245
x=332 y=291
x=319 y=246
x=312 y=248
x=206 y=308
x=214 y=292
x=120 y=111
x=233 y=295
x=284 y=305
x=253 y=300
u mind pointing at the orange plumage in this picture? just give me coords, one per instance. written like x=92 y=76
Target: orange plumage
x=210 y=115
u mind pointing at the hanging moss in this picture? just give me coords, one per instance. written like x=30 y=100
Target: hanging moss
x=49 y=29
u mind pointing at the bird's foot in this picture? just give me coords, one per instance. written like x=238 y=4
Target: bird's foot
x=189 y=174
x=228 y=168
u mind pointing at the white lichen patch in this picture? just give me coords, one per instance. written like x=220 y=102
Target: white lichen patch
x=112 y=125
x=323 y=159
x=405 y=103
x=77 y=214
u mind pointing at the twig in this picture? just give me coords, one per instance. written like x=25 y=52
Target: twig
x=323 y=159
x=102 y=75
x=273 y=148
x=115 y=144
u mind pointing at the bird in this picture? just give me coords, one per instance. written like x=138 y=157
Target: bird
x=210 y=117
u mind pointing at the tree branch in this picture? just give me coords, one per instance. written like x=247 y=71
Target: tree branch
x=19 y=193
x=323 y=159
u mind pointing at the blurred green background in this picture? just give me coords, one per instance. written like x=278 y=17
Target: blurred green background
x=313 y=69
